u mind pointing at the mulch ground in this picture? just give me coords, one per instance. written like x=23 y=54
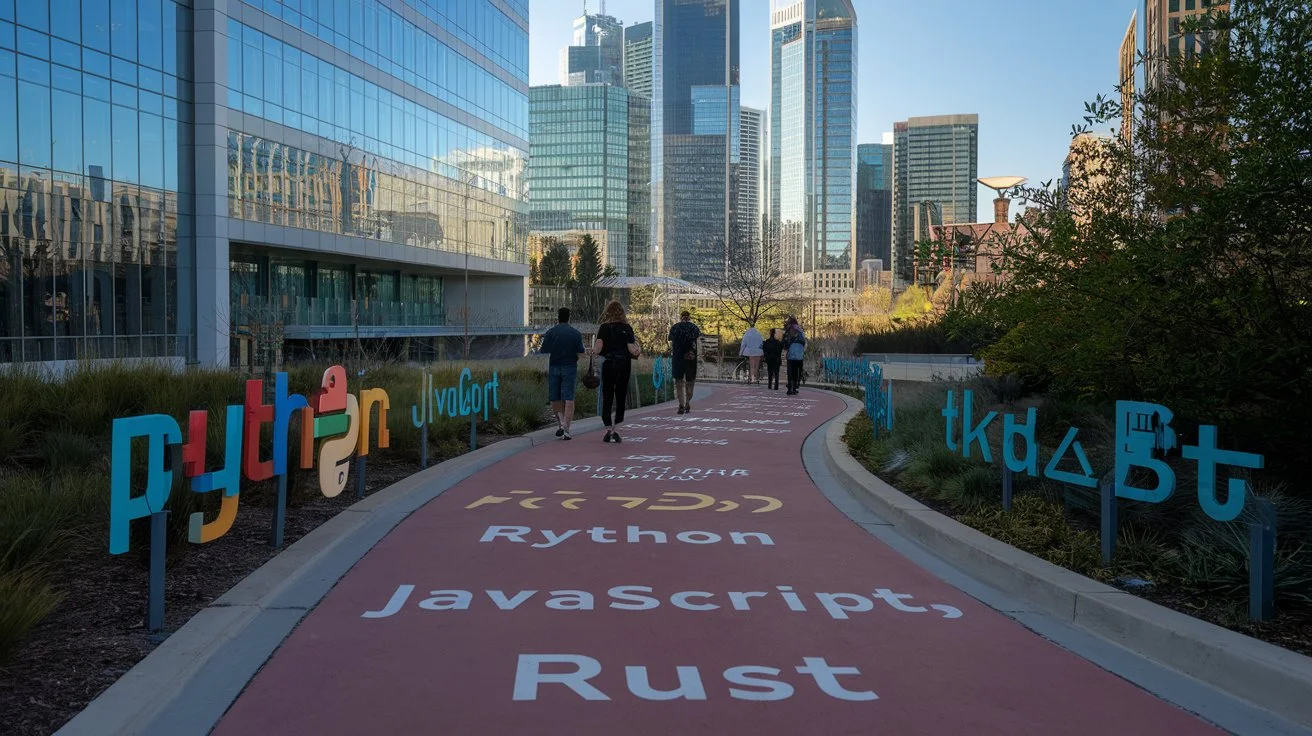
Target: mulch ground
x=98 y=632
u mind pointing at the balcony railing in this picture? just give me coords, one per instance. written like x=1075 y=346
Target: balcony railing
x=315 y=312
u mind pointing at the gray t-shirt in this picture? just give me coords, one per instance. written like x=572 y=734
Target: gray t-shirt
x=564 y=344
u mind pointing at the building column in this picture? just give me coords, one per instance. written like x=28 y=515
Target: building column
x=211 y=255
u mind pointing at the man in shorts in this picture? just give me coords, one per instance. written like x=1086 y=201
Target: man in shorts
x=683 y=359
x=564 y=344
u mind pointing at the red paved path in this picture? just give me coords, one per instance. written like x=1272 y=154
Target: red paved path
x=454 y=671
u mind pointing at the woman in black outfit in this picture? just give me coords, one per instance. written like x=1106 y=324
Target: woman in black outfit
x=774 y=350
x=617 y=344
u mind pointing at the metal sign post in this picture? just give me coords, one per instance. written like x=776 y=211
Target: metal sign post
x=1262 y=562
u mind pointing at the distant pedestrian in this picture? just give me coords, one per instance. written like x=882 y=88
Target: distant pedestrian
x=564 y=344
x=617 y=344
x=752 y=350
x=795 y=345
x=774 y=351
x=683 y=359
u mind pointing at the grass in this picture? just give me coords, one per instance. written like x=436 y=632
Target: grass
x=55 y=443
x=1171 y=544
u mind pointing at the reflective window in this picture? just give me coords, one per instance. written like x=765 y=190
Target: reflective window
x=123 y=28
x=8 y=119
x=34 y=124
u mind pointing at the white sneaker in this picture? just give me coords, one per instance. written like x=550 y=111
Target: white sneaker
x=564 y=435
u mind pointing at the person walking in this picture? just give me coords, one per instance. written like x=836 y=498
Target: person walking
x=617 y=344
x=683 y=361
x=564 y=344
x=773 y=350
x=752 y=350
x=795 y=345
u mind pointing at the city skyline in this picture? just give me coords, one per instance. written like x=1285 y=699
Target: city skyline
x=1025 y=114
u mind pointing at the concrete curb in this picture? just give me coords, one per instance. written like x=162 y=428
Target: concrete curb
x=187 y=683
x=1265 y=675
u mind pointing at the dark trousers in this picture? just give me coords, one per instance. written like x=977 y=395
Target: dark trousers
x=772 y=375
x=794 y=375
x=614 y=388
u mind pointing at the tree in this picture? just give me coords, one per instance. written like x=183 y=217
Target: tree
x=534 y=272
x=750 y=289
x=587 y=267
x=1179 y=272
x=555 y=269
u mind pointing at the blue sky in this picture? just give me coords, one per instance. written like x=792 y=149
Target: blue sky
x=1025 y=66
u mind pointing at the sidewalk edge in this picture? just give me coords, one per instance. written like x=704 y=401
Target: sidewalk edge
x=1270 y=677
x=275 y=597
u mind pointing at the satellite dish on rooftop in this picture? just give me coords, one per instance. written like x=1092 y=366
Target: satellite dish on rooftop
x=1002 y=183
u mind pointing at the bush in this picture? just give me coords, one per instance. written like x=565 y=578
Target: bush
x=27 y=600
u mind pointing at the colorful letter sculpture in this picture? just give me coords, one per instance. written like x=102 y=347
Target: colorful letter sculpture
x=334 y=416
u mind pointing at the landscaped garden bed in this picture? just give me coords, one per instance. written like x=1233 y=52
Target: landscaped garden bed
x=1170 y=553
x=73 y=617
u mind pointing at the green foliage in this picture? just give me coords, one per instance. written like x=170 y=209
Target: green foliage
x=919 y=338
x=587 y=267
x=1039 y=527
x=27 y=600
x=1172 y=543
x=913 y=305
x=555 y=269
x=1175 y=269
x=54 y=487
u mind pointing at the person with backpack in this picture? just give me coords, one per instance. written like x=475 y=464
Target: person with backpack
x=795 y=345
x=619 y=346
x=683 y=359
x=773 y=349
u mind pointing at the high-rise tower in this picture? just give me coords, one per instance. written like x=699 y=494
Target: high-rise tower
x=813 y=126
x=695 y=135
x=935 y=165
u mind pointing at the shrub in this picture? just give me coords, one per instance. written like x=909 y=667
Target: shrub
x=27 y=600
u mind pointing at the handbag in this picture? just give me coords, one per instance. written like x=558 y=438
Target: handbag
x=590 y=379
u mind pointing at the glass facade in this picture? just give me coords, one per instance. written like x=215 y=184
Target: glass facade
x=637 y=58
x=696 y=72
x=813 y=168
x=936 y=164
x=874 y=187
x=368 y=124
x=423 y=145
x=579 y=171
x=748 y=222
x=95 y=98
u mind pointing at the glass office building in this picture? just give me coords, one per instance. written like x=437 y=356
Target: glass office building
x=178 y=182
x=935 y=166
x=695 y=130
x=584 y=140
x=874 y=197
x=813 y=166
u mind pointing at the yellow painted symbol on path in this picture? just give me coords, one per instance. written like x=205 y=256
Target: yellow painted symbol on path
x=771 y=504
x=668 y=501
x=702 y=501
x=631 y=502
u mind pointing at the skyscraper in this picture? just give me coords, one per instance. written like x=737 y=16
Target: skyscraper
x=813 y=119
x=578 y=170
x=695 y=134
x=597 y=54
x=874 y=197
x=229 y=175
x=1164 y=38
x=637 y=58
x=748 y=233
x=1129 y=51
x=935 y=165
